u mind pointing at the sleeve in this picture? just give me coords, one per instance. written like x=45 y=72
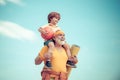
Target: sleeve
x=42 y=52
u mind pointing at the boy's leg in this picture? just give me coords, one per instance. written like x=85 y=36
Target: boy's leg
x=48 y=55
x=69 y=62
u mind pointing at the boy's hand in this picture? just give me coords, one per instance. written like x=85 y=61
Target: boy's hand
x=47 y=55
x=39 y=29
x=75 y=60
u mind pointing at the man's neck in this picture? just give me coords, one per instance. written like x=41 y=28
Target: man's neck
x=57 y=45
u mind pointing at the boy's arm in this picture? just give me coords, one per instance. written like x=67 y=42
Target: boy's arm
x=41 y=29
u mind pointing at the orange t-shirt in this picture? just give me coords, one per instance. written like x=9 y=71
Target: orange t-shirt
x=58 y=60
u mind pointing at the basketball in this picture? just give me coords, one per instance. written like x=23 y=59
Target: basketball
x=49 y=33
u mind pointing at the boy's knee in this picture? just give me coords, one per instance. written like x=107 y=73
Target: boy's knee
x=51 y=44
x=48 y=42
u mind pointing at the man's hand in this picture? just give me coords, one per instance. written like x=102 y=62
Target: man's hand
x=38 y=60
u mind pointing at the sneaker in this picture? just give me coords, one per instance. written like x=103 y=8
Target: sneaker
x=71 y=64
x=48 y=64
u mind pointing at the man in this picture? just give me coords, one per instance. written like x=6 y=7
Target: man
x=58 y=60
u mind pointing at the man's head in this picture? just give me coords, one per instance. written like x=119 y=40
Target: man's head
x=53 y=15
x=59 y=37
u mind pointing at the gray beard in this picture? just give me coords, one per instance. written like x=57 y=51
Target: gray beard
x=60 y=42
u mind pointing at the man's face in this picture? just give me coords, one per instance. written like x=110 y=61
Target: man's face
x=60 y=39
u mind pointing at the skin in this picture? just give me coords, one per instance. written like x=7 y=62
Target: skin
x=53 y=23
x=60 y=37
x=58 y=45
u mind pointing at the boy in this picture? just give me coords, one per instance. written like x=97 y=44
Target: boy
x=53 y=19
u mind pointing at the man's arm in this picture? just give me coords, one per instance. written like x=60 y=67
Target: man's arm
x=38 y=60
x=41 y=55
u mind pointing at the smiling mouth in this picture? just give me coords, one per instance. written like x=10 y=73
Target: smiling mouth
x=56 y=21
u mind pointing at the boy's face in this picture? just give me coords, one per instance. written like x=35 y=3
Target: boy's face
x=54 y=20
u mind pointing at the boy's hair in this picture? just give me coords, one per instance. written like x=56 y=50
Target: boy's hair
x=53 y=14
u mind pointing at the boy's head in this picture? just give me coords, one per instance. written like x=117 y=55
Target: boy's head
x=52 y=15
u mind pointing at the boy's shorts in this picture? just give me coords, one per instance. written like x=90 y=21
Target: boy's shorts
x=47 y=42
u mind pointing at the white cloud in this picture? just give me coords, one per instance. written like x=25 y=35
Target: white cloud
x=16 y=31
x=18 y=2
x=2 y=2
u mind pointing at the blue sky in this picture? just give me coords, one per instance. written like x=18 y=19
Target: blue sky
x=94 y=25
